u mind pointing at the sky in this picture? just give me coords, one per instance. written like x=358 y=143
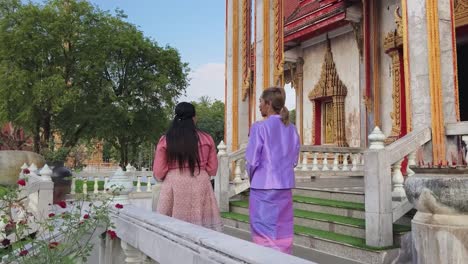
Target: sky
x=196 y=28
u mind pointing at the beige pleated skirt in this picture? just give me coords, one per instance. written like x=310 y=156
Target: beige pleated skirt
x=189 y=198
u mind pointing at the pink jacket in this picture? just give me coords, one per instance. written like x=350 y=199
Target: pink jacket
x=207 y=155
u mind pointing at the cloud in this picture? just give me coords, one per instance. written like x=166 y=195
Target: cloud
x=206 y=80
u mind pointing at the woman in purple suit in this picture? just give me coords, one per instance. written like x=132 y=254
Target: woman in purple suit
x=272 y=154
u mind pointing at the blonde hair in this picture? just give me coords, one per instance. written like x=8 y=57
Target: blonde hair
x=276 y=97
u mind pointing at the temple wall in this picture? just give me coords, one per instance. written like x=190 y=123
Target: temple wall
x=387 y=24
x=346 y=57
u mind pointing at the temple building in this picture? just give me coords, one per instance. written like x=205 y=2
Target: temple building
x=353 y=65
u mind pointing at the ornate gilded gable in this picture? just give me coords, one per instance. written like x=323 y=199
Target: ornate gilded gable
x=329 y=84
x=461 y=12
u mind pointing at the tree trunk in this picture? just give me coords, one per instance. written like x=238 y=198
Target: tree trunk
x=37 y=137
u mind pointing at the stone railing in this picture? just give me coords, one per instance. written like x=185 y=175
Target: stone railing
x=460 y=130
x=231 y=178
x=316 y=161
x=148 y=237
x=384 y=182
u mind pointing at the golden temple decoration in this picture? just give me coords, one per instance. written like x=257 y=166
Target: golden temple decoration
x=235 y=76
x=461 y=12
x=330 y=86
x=266 y=44
x=406 y=67
x=246 y=74
x=435 y=82
x=393 y=45
x=278 y=71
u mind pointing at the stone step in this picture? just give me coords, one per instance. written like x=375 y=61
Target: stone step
x=319 y=205
x=309 y=254
x=348 y=196
x=327 y=222
x=344 y=246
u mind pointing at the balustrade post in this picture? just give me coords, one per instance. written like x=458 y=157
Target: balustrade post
x=148 y=183
x=73 y=185
x=85 y=185
x=398 y=192
x=335 y=162
x=354 y=162
x=325 y=162
x=465 y=139
x=237 y=172
x=96 y=185
x=378 y=202
x=132 y=255
x=304 y=161
x=138 y=187
x=121 y=184
x=32 y=168
x=106 y=180
x=411 y=162
x=46 y=173
x=222 y=179
x=345 y=162
x=315 y=162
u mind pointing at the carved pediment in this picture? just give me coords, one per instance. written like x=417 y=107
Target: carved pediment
x=329 y=84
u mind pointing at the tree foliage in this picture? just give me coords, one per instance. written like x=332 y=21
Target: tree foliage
x=70 y=69
x=210 y=117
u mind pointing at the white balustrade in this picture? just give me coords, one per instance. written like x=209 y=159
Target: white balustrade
x=304 y=161
x=148 y=183
x=315 y=162
x=335 y=162
x=325 y=162
x=398 y=192
x=237 y=172
x=122 y=184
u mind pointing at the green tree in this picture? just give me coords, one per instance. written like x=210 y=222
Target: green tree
x=210 y=117
x=71 y=69
x=292 y=116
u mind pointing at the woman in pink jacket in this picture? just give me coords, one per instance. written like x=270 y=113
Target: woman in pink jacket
x=185 y=159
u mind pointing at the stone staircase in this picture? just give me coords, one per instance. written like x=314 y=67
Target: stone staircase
x=330 y=222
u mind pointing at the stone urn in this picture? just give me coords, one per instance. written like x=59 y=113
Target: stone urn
x=11 y=162
x=440 y=227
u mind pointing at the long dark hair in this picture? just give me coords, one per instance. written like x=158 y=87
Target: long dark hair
x=182 y=138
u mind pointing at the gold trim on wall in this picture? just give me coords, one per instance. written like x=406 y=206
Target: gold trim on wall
x=266 y=43
x=235 y=75
x=406 y=67
x=392 y=44
x=435 y=83
x=375 y=35
x=278 y=74
x=246 y=70
x=331 y=86
x=455 y=53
